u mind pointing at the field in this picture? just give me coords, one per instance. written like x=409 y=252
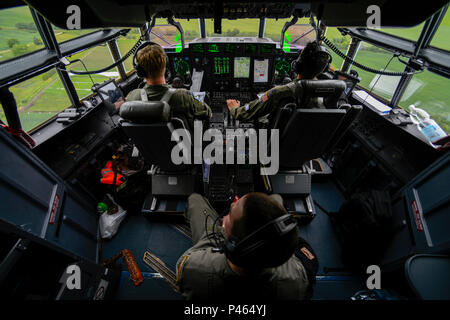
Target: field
x=42 y=97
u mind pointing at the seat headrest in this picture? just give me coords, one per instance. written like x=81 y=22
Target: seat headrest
x=323 y=88
x=330 y=90
x=145 y=111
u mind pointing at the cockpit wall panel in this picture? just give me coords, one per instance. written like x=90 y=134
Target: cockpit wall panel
x=37 y=200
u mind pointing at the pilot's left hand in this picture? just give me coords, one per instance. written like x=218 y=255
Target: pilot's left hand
x=231 y=103
x=118 y=103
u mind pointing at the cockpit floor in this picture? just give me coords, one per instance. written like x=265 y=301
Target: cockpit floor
x=167 y=242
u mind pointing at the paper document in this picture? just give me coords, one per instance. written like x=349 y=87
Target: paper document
x=197 y=78
x=374 y=104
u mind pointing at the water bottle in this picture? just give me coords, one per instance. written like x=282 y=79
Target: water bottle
x=429 y=128
x=102 y=207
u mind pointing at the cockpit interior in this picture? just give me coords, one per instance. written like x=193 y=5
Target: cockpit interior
x=69 y=153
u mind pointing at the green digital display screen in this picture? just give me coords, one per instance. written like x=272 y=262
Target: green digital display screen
x=221 y=66
x=197 y=48
x=241 y=67
x=181 y=65
x=214 y=48
x=229 y=48
x=266 y=48
x=250 y=49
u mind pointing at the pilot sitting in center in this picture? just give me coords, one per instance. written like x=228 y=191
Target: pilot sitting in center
x=256 y=254
x=313 y=60
x=151 y=65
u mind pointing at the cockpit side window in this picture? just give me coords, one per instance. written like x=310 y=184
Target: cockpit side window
x=18 y=33
x=39 y=99
x=429 y=92
x=440 y=39
x=63 y=35
x=92 y=59
x=378 y=59
x=341 y=42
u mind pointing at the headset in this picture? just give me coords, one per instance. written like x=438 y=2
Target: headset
x=240 y=252
x=140 y=71
x=299 y=62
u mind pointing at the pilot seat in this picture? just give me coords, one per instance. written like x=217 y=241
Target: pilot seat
x=309 y=127
x=150 y=125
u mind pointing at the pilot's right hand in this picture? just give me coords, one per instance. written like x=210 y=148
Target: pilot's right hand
x=232 y=103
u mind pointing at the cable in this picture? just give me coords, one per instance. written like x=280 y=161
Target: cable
x=371 y=70
x=76 y=60
x=378 y=79
x=126 y=56
x=213 y=236
x=218 y=239
x=217 y=236
x=206 y=228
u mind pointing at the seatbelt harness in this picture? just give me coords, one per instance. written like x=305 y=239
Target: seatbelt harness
x=165 y=98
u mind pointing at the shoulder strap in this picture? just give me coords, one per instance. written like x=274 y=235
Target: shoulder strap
x=166 y=97
x=144 y=96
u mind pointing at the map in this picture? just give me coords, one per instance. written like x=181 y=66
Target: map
x=241 y=67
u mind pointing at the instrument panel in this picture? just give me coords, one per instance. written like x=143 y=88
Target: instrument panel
x=232 y=64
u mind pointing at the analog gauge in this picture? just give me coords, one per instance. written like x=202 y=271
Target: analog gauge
x=282 y=67
x=181 y=66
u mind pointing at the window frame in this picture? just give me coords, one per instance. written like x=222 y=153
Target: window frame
x=33 y=64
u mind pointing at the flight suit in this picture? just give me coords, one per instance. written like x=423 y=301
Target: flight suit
x=204 y=274
x=275 y=98
x=266 y=104
x=182 y=102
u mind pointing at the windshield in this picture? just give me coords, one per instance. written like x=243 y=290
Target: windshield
x=296 y=36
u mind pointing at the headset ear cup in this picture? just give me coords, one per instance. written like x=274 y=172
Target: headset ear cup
x=330 y=59
x=251 y=249
x=140 y=71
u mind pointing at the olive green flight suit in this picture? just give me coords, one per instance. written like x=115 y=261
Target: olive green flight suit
x=275 y=98
x=204 y=274
x=182 y=102
x=265 y=105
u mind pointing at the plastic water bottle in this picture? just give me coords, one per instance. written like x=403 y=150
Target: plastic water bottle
x=102 y=207
x=429 y=128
